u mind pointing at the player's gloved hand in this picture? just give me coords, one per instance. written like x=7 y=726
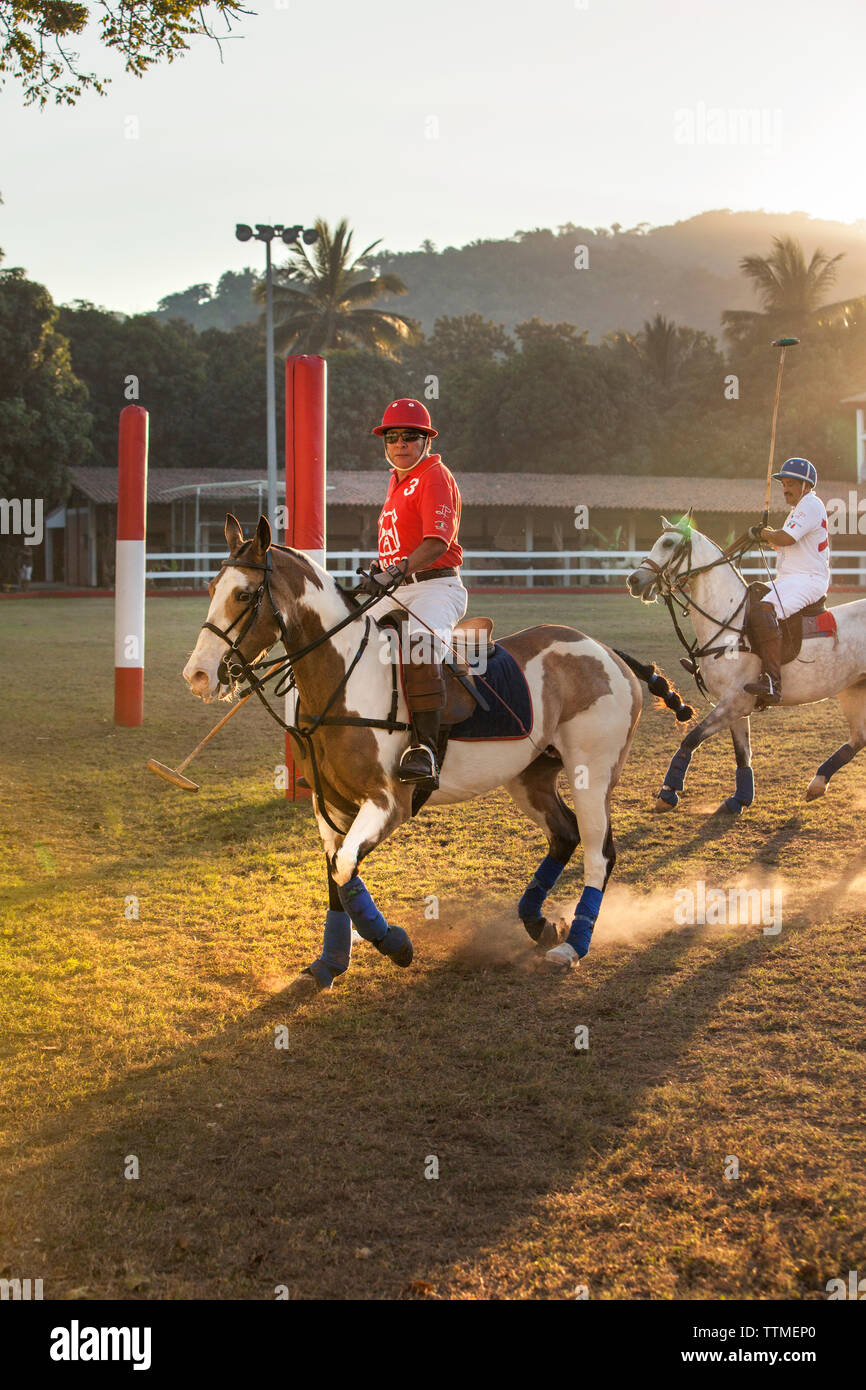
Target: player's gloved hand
x=755 y=531
x=378 y=581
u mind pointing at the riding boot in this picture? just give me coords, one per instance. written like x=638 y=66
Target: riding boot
x=418 y=763
x=767 y=636
x=425 y=694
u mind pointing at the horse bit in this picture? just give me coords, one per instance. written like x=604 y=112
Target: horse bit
x=672 y=593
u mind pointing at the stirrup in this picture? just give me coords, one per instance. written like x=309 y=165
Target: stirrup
x=765 y=689
x=431 y=776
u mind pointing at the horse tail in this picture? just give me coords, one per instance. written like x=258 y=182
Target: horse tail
x=658 y=684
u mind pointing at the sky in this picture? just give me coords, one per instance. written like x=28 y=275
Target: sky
x=453 y=121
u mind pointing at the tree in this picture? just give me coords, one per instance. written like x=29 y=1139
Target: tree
x=44 y=422
x=231 y=408
x=320 y=301
x=34 y=38
x=534 y=332
x=466 y=338
x=169 y=367
x=231 y=304
x=791 y=292
x=671 y=351
x=557 y=406
x=184 y=304
x=97 y=345
x=360 y=385
x=658 y=345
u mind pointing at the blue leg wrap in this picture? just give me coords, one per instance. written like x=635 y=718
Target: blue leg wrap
x=580 y=932
x=745 y=793
x=842 y=756
x=675 y=777
x=366 y=916
x=336 y=949
x=389 y=941
x=546 y=875
x=677 y=771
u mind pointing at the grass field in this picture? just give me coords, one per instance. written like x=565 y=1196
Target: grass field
x=154 y=1035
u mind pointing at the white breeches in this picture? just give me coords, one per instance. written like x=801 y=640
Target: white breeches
x=795 y=591
x=440 y=603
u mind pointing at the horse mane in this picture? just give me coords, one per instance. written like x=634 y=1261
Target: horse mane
x=703 y=535
x=315 y=572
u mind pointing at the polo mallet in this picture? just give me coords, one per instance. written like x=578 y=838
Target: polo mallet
x=175 y=774
x=782 y=343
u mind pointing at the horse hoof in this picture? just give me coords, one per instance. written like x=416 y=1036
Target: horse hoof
x=662 y=806
x=543 y=932
x=308 y=983
x=816 y=788
x=562 y=957
x=396 y=944
x=550 y=936
x=732 y=806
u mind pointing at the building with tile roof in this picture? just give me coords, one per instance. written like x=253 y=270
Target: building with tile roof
x=501 y=512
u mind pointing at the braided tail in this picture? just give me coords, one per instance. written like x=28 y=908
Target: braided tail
x=658 y=684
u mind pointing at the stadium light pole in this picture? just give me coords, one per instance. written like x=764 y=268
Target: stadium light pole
x=266 y=233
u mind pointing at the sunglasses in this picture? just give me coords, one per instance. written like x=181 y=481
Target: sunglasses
x=407 y=436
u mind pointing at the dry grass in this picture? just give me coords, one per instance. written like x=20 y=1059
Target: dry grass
x=305 y=1167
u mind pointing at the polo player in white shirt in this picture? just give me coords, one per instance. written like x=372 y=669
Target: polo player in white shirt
x=802 y=570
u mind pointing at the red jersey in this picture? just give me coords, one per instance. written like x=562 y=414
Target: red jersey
x=424 y=502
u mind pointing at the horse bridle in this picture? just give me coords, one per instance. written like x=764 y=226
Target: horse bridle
x=236 y=666
x=672 y=593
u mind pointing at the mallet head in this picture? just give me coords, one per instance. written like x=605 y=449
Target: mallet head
x=785 y=342
x=168 y=774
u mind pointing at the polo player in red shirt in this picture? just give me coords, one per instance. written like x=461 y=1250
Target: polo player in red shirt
x=419 y=553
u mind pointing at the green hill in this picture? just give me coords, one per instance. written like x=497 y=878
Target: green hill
x=687 y=271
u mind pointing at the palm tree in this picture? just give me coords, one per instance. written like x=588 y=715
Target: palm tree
x=660 y=346
x=321 y=299
x=790 y=291
x=665 y=349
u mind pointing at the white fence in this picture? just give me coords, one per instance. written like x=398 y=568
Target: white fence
x=510 y=568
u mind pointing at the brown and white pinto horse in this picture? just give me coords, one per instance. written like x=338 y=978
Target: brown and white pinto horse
x=585 y=701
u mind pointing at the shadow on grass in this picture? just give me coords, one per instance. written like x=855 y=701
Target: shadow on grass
x=182 y=840
x=714 y=825
x=262 y=1167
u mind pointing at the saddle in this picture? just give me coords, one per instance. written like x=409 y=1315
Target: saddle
x=815 y=620
x=472 y=639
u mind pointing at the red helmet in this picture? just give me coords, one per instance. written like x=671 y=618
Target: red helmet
x=406 y=414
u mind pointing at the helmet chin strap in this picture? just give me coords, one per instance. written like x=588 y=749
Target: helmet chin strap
x=804 y=483
x=412 y=465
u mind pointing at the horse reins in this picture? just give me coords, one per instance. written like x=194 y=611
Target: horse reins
x=236 y=666
x=672 y=594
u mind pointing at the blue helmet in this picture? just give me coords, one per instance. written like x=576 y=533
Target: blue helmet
x=799 y=468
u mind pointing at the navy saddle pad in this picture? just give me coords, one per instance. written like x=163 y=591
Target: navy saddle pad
x=505 y=679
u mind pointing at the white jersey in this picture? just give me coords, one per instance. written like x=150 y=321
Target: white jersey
x=807 y=523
